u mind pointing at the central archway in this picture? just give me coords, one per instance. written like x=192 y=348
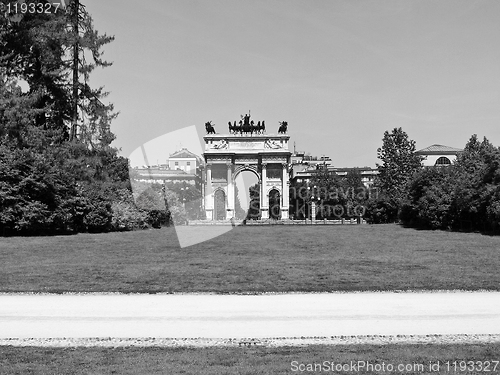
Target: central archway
x=247 y=194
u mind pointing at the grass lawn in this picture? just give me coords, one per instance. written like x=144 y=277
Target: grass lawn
x=253 y=259
x=212 y=361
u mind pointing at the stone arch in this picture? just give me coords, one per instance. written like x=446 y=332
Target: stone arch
x=239 y=153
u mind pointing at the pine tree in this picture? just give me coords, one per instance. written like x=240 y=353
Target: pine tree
x=49 y=52
x=48 y=184
x=87 y=106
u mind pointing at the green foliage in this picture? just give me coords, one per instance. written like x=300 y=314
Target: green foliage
x=464 y=196
x=399 y=163
x=31 y=189
x=254 y=206
x=126 y=216
x=47 y=184
x=185 y=199
x=431 y=195
x=381 y=208
x=335 y=196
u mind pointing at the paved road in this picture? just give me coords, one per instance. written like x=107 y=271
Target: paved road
x=236 y=316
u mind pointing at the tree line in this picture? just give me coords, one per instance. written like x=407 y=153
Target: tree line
x=60 y=174
x=58 y=170
x=462 y=196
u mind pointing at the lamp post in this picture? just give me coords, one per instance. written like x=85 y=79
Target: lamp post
x=308 y=201
x=313 y=204
x=184 y=191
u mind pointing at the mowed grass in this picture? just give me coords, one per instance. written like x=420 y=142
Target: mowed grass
x=253 y=259
x=219 y=361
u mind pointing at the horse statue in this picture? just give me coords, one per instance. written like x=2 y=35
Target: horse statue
x=283 y=127
x=261 y=128
x=209 y=127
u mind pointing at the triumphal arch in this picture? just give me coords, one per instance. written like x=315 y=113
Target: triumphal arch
x=246 y=147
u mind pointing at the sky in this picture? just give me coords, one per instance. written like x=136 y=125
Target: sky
x=339 y=72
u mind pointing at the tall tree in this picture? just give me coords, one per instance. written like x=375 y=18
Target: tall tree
x=87 y=108
x=477 y=187
x=399 y=163
x=49 y=184
x=49 y=51
x=33 y=53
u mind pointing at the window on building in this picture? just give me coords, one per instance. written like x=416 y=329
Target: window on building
x=443 y=161
x=188 y=163
x=176 y=163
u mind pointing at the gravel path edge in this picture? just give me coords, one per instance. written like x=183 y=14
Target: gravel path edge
x=248 y=342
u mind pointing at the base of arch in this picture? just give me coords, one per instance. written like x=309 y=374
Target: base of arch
x=264 y=213
x=209 y=214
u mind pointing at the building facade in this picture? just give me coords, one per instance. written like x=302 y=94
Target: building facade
x=438 y=155
x=182 y=166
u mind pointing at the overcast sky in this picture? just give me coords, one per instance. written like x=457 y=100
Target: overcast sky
x=340 y=72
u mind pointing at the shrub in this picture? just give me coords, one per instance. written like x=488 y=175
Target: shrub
x=430 y=197
x=381 y=210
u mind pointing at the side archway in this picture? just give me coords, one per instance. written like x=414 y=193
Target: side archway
x=220 y=204
x=274 y=204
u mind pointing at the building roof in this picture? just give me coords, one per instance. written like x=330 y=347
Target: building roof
x=439 y=149
x=160 y=172
x=183 y=154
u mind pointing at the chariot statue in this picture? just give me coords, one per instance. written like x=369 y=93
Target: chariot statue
x=246 y=125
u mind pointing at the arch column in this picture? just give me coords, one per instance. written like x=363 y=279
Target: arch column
x=285 y=204
x=264 y=200
x=230 y=192
x=209 y=194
